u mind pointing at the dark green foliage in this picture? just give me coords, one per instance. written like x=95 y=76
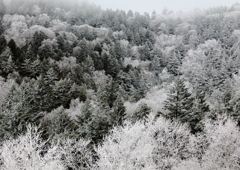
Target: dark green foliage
x=6 y=63
x=98 y=48
x=46 y=52
x=93 y=123
x=111 y=65
x=119 y=53
x=124 y=81
x=9 y=66
x=83 y=52
x=1 y=28
x=58 y=123
x=3 y=43
x=174 y=62
x=38 y=37
x=29 y=68
x=180 y=102
x=51 y=76
x=145 y=53
x=199 y=110
x=15 y=50
x=17 y=111
x=63 y=92
x=141 y=113
x=118 y=115
x=63 y=45
x=13 y=125
x=231 y=103
x=98 y=63
x=42 y=99
x=87 y=40
x=155 y=65
x=29 y=54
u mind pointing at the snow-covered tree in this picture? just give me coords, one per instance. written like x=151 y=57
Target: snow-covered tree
x=154 y=144
x=29 y=152
x=127 y=147
x=220 y=145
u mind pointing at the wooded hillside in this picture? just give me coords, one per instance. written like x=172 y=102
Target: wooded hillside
x=107 y=83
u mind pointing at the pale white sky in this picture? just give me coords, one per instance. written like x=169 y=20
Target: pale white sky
x=158 y=5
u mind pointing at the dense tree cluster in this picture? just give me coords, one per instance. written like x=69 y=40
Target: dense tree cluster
x=117 y=90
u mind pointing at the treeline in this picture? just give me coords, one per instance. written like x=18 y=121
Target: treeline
x=76 y=71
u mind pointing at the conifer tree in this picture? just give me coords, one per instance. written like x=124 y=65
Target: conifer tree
x=98 y=48
x=118 y=115
x=51 y=76
x=155 y=65
x=46 y=51
x=61 y=92
x=9 y=66
x=6 y=63
x=18 y=109
x=174 y=63
x=43 y=99
x=141 y=113
x=93 y=122
x=83 y=51
x=30 y=53
x=59 y=123
x=15 y=50
x=180 y=102
x=3 y=42
x=199 y=110
x=37 y=40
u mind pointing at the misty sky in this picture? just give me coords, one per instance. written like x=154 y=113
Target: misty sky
x=158 y=5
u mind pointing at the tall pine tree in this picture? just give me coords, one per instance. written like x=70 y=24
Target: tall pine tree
x=199 y=110
x=180 y=102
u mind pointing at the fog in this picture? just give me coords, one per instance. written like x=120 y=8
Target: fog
x=158 y=5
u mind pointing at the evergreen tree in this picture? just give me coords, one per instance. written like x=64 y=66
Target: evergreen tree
x=174 y=63
x=119 y=51
x=30 y=53
x=15 y=50
x=63 y=91
x=98 y=48
x=136 y=38
x=145 y=53
x=180 y=102
x=46 y=52
x=155 y=65
x=18 y=110
x=51 y=76
x=59 y=124
x=6 y=62
x=129 y=14
x=118 y=115
x=141 y=113
x=94 y=122
x=43 y=99
x=9 y=66
x=83 y=51
x=198 y=112
x=31 y=68
x=3 y=42
x=111 y=65
x=37 y=40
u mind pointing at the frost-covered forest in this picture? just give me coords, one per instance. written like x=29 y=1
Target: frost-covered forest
x=84 y=88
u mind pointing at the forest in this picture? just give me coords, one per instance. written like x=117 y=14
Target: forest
x=82 y=88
